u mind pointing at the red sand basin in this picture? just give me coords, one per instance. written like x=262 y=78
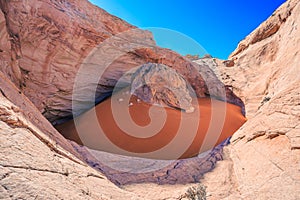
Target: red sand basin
x=167 y=133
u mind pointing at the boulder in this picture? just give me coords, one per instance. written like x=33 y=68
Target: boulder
x=159 y=84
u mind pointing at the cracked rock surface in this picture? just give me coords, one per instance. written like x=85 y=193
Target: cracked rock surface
x=43 y=44
x=263 y=159
x=29 y=169
x=38 y=163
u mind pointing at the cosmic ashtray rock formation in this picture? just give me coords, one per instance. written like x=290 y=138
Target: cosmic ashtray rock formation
x=62 y=54
x=67 y=63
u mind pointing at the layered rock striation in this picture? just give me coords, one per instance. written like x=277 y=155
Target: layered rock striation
x=43 y=44
x=44 y=47
x=46 y=43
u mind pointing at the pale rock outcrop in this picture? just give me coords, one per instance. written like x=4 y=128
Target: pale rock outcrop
x=267 y=28
x=32 y=150
x=33 y=164
x=43 y=44
x=263 y=159
x=37 y=162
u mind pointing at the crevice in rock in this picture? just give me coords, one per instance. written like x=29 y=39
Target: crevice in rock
x=295 y=148
x=95 y=175
x=4 y=187
x=34 y=169
x=3 y=94
x=256 y=135
x=274 y=135
x=238 y=139
x=4 y=176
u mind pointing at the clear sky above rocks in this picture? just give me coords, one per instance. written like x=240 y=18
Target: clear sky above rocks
x=194 y=26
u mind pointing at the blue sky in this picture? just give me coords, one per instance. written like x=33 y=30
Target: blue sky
x=216 y=25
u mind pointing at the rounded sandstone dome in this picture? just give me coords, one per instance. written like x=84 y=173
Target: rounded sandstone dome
x=159 y=84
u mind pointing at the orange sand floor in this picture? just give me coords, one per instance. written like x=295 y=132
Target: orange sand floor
x=171 y=136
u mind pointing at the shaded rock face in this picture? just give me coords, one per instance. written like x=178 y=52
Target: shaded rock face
x=51 y=40
x=48 y=41
x=183 y=171
x=229 y=63
x=157 y=83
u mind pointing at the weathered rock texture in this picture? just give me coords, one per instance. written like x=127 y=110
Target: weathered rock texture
x=43 y=43
x=267 y=28
x=182 y=171
x=50 y=40
x=263 y=159
x=33 y=164
x=157 y=83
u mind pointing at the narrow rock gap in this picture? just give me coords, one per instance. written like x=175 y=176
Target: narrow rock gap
x=34 y=169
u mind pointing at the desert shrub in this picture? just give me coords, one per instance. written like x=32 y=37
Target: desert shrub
x=194 y=193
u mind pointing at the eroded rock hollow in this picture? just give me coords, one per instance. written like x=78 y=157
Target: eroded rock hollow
x=46 y=46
